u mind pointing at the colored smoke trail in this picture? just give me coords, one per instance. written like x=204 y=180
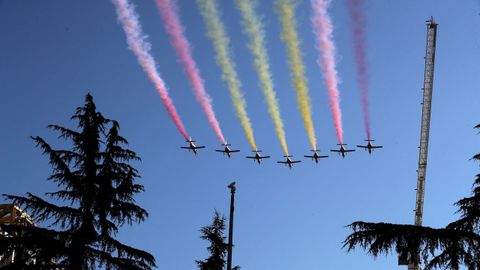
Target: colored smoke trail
x=138 y=44
x=169 y=13
x=254 y=28
x=323 y=29
x=290 y=36
x=216 y=32
x=359 y=41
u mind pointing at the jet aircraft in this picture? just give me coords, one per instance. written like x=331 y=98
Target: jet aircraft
x=191 y=146
x=369 y=146
x=289 y=161
x=342 y=150
x=315 y=156
x=257 y=156
x=227 y=150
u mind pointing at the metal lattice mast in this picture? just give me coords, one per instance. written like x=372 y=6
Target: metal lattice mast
x=425 y=128
x=426 y=113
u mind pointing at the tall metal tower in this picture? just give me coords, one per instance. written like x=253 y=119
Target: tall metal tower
x=425 y=128
x=426 y=113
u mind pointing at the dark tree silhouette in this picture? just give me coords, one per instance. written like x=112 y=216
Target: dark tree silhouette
x=215 y=234
x=451 y=247
x=96 y=189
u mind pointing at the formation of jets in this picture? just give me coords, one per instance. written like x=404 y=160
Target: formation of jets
x=289 y=161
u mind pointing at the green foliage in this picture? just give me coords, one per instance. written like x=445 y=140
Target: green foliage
x=214 y=233
x=95 y=198
x=456 y=245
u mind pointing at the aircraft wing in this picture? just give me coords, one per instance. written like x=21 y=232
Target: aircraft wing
x=309 y=156
x=199 y=147
x=362 y=146
x=221 y=151
x=350 y=150
x=338 y=151
x=322 y=156
x=251 y=157
x=296 y=161
x=265 y=157
x=183 y=147
x=377 y=146
x=234 y=151
x=283 y=162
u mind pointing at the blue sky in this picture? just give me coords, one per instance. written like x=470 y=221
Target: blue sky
x=53 y=52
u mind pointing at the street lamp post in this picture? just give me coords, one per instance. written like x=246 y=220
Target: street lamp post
x=230 y=227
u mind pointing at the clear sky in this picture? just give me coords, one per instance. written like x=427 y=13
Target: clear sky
x=53 y=52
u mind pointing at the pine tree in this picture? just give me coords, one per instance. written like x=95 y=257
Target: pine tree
x=214 y=233
x=451 y=247
x=96 y=189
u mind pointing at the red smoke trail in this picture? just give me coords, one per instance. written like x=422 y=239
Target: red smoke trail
x=359 y=40
x=169 y=13
x=323 y=29
x=137 y=42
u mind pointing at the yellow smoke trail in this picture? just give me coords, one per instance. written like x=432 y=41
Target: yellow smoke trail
x=254 y=28
x=286 y=10
x=216 y=32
